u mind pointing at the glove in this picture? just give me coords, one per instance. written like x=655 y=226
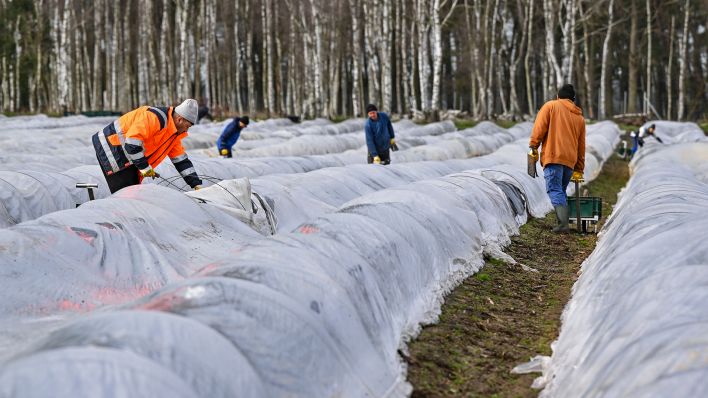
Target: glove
x=197 y=187
x=394 y=147
x=577 y=176
x=377 y=160
x=149 y=172
x=224 y=152
x=533 y=152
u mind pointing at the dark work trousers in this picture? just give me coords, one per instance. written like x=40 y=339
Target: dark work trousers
x=385 y=157
x=123 y=178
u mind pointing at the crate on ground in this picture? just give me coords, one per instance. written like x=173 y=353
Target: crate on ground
x=590 y=211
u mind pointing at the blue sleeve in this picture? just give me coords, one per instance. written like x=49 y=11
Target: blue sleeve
x=390 y=128
x=370 y=140
x=225 y=135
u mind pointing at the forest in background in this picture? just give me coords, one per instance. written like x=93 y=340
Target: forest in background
x=328 y=58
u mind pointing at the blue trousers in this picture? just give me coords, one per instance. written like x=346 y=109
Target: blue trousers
x=557 y=178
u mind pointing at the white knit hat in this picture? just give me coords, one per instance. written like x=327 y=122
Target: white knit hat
x=189 y=109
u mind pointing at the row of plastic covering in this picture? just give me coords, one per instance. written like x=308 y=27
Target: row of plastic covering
x=40 y=143
x=27 y=195
x=637 y=323
x=153 y=292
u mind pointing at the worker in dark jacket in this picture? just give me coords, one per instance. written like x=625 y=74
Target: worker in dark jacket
x=380 y=137
x=230 y=135
x=130 y=148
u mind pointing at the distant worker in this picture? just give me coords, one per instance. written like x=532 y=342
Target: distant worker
x=230 y=135
x=638 y=137
x=130 y=148
x=380 y=137
x=203 y=113
x=560 y=129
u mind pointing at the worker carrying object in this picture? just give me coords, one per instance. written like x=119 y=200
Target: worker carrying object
x=638 y=137
x=380 y=138
x=560 y=129
x=230 y=135
x=130 y=148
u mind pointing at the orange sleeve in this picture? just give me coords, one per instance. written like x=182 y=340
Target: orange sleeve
x=540 y=126
x=580 y=164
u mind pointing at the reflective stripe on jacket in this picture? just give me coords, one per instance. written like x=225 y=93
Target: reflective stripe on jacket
x=143 y=137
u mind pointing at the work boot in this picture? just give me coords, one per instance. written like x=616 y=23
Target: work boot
x=562 y=217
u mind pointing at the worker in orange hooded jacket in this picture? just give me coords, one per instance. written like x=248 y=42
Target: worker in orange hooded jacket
x=130 y=148
x=560 y=129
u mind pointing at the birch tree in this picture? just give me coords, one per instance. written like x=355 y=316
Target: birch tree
x=669 y=69
x=423 y=26
x=602 y=111
x=683 y=61
x=647 y=92
x=555 y=73
x=439 y=19
x=633 y=59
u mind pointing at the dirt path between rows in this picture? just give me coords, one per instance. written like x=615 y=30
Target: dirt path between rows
x=503 y=315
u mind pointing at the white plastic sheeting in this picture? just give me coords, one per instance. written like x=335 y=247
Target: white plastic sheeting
x=637 y=323
x=30 y=194
x=319 y=311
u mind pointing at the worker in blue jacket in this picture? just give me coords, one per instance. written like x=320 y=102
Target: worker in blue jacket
x=379 y=136
x=230 y=135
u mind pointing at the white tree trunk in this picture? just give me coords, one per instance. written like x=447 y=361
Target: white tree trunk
x=491 y=57
x=372 y=34
x=385 y=56
x=423 y=18
x=269 y=55
x=182 y=22
x=145 y=29
x=683 y=61
x=18 y=56
x=669 y=70
x=438 y=20
x=166 y=60
x=587 y=70
x=555 y=73
x=602 y=112
x=98 y=47
x=527 y=58
x=647 y=93
x=238 y=64
x=568 y=30
x=356 y=58
x=64 y=81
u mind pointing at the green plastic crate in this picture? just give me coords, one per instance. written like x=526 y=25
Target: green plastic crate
x=590 y=211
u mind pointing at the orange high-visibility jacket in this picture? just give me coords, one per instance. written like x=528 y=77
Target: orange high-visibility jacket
x=143 y=137
x=560 y=127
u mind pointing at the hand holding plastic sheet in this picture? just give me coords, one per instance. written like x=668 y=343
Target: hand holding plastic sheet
x=149 y=172
x=377 y=160
x=394 y=147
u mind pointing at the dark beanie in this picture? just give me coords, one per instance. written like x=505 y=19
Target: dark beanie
x=245 y=120
x=567 y=91
x=371 y=108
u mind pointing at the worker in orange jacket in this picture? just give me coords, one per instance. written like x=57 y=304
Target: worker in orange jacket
x=560 y=129
x=130 y=148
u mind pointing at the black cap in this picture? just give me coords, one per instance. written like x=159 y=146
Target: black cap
x=371 y=108
x=245 y=120
x=567 y=92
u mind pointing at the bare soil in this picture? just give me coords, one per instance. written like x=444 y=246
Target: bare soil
x=503 y=315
